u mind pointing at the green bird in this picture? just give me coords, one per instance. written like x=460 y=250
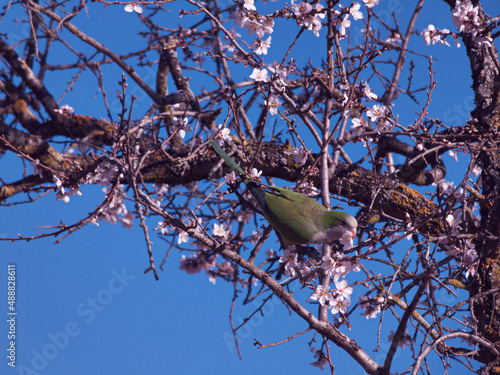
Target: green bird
x=296 y=218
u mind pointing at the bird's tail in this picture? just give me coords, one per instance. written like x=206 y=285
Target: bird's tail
x=235 y=167
x=255 y=188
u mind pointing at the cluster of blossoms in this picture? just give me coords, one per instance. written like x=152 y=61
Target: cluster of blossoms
x=104 y=174
x=260 y=25
x=359 y=92
x=307 y=188
x=342 y=18
x=279 y=84
x=433 y=35
x=133 y=7
x=322 y=359
x=371 y=306
x=62 y=194
x=65 y=110
x=203 y=259
x=378 y=114
x=182 y=126
x=461 y=249
x=296 y=266
x=220 y=134
x=115 y=210
x=308 y=16
x=336 y=267
x=338 y=299
x=466 y=17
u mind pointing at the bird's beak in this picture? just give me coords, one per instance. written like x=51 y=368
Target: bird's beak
x=353 y=231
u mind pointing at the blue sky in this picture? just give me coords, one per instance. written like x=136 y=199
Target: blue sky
x=85 y=305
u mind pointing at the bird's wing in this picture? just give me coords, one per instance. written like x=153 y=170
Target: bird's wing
x=296 y=216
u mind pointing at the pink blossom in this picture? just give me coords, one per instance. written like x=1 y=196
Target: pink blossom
x=476 y=170
x=289 y=259
x=321 y=361
x=266 y=25
x=301 y=9
x=300 y=155
x=183 y=237
x=274 y=103
x=404 y=342
x=465 y=16
x=358 y=123
x=230 y=178
x=372 y=308
x=334 y=267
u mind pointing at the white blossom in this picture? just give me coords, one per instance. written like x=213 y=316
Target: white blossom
x=133 y=8
x=249 y=5
x=220 y=134
x=220 y=231
x=370 y=3
x=260 y=75
x=261 y=46
x=322 y=295
x=355 y=12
